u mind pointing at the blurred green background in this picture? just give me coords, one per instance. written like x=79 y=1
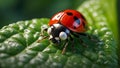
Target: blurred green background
x=15 y=10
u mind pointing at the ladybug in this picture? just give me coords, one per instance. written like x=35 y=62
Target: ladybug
x=64 y=24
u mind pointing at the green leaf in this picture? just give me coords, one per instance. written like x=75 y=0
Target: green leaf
x=19 y=47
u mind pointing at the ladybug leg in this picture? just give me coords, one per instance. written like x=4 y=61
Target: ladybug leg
x=65 y=46
x=39 y=40
x=44 y=29
x=84 y=34
x=90 y=37
x=85 y=45
x=78 y=36
x=72 y=43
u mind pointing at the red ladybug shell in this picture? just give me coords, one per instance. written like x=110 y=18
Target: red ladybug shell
x=71 y=19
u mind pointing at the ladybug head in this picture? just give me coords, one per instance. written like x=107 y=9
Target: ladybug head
x=57 y=32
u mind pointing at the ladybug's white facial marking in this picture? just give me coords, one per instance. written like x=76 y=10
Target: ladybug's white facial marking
x=63 y=36
x=58 y=32
x=56 y=25
x=49 y=30
x=67 y=31
x=58 y=39
x=51 y=37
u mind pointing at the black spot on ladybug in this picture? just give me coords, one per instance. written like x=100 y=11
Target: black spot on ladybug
x=77 y=20
x=74 y=27
x=69 y=13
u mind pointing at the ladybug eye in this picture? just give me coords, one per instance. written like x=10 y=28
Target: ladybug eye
x=49 y=30
x=63 y=36
x=69 y=13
